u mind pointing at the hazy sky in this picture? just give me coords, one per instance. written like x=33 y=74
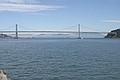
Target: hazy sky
x=102 y=15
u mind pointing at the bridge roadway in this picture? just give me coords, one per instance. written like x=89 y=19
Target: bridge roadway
x=50 y=32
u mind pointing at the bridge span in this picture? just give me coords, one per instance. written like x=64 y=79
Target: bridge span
x=49 y=32
x=17 y=32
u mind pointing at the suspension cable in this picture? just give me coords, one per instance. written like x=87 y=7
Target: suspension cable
x=26 y=28
x=7 y=28
x=92 y=29
x=68 y=27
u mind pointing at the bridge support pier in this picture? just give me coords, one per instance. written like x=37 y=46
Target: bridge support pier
x=16 y=35
x=78 y=32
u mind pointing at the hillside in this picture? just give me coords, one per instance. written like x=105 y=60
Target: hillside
x=113 y=34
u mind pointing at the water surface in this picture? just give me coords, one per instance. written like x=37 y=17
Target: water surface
x=61 y=59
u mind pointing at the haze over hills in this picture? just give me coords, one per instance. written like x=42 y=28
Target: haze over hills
x=5 y=36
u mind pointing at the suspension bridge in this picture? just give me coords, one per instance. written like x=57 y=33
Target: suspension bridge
x=78 y=32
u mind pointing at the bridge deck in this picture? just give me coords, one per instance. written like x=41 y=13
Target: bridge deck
x=49 y=32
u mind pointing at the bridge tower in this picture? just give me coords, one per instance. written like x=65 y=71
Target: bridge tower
x=16 y=35
x=79 y=32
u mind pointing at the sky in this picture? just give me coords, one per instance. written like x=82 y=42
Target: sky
x=100 y=15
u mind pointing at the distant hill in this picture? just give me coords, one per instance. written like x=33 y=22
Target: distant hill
x=5 y=36
x=113 y=34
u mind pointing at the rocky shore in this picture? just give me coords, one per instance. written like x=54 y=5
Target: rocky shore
x=113 y=34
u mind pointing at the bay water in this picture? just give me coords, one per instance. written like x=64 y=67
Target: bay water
x=61 y=59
